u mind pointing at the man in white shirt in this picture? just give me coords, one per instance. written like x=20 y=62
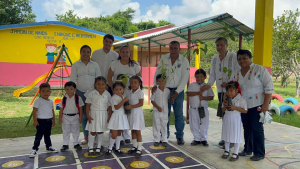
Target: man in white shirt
x=178 y=73
x=105 y=56
x=222 y=66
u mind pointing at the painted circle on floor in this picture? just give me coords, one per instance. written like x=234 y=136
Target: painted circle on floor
x=93 y=156
x=12 y=164
x=55 y=158
x=101 y=167
x=139 y=164
x=125 y=150
x=160 y=147
x=174 y=159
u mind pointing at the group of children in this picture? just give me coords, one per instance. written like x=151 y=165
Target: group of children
x=106 y=112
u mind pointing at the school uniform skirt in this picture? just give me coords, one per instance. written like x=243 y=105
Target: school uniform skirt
x=231 y=127
x=118 y=120
x=99 y=124
x=136 y=119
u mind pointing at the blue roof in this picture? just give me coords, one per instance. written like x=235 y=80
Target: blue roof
x=56 y=23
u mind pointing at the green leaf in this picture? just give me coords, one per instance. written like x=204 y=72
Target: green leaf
x=225 y=70
x=229 y=72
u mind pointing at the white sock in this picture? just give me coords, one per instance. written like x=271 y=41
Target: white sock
x=111 y=143
x=100 y=137
x=118 y=140
x=134 y=143
x=236 y=149
x=91 y=141
x=140 y=145
x=109 y=137
x=227 y=144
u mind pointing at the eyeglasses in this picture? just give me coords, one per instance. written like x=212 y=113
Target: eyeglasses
x=173 y=48
x=244 y=58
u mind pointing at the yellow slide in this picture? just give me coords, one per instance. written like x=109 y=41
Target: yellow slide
x=18 y=92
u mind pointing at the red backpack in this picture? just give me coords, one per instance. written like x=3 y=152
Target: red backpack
x=64 y=101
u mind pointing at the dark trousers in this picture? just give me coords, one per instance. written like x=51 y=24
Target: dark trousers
x=43 y=129
x=219 y=97
x=253 y=133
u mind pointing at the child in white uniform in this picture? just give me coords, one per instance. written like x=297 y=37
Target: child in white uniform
x=197 y=98
x=136 y=117
x=70 y=116
x=44 y=119
x=117 y=120
x=159 y=100
x=231 y=127
x=96 y=111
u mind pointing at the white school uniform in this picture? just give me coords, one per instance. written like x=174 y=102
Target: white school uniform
x=199 y=131
x=70 y=124
x=160 y=119
x=119 y=68
x=98 y=111
x=232 y=123
x=136 y=117
x=126 y=133
x=254 y=85
x=118 y=120
x=44 y=107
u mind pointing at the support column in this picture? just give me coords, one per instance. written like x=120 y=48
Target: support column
x=149 y=71
x=240 y=41
x=157 y=60
x=141 y=61
x=135 y=52
x=198 y=57
x=263 y=33
x=189 y=58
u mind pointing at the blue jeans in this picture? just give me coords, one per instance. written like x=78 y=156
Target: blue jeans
x=84 y=118
x=178 y=112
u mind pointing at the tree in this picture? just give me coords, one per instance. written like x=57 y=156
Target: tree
x=16 y=12
x=286 y=52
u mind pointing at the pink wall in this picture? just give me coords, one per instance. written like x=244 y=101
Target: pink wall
x=23 y=74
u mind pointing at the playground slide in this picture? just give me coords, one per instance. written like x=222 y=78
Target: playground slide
x=18 y=92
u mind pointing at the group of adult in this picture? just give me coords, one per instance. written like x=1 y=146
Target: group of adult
x=255 y=82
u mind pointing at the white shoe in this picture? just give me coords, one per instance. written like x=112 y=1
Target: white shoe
x=33 y=153
x=52 y=149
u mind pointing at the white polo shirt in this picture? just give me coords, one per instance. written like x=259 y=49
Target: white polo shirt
x=104 y=60
x=44 y=107
x=84 y=75
x=195 y=100
x=161 y=99
x=71 y=105
x=97 y=101
x=177 y=74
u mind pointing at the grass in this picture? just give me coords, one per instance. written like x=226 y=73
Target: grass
x=14 y=114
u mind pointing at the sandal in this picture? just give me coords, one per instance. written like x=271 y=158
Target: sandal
x=234 y=159
x=138 y=153
x=224 y=156
x=83 y=142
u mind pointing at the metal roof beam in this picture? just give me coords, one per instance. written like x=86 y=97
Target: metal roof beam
x=181 y=36
x=134 y=44
x=236 y=30
x=203 y=24
x=155 y=42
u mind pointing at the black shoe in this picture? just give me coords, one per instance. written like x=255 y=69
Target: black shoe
x=138 y=153
x=256 y=158
x=165 y=144
x=180 y=141
x=194 y=143
x=234 y=159
x=98 y=151
x=222 y=143
x=127 y=141
x=64 y=148
x=156 y=144
x=119 y=152
x=122 y=142
x=204 y=143
x=243 y=153
x=78 y=147
x=108 y=153
x=91 y=152
x=133 y=150
x=224 y=156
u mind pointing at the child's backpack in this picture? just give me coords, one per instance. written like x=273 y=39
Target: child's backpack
x=64 y=101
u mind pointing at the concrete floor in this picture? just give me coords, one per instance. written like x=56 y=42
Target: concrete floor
x=282 y=146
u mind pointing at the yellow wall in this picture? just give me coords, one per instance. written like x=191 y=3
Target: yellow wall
x=27 y=45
